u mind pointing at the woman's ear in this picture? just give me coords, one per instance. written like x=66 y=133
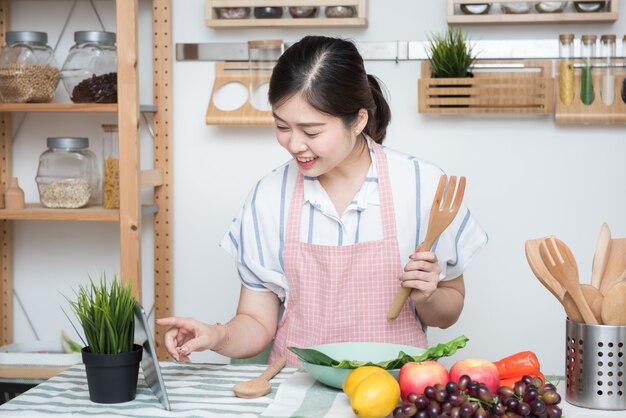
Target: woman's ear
x=361 y=121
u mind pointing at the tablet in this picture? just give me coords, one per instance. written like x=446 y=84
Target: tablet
x=149 y=361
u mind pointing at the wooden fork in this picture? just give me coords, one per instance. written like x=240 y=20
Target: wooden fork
x=445 y=206
x=561 y=263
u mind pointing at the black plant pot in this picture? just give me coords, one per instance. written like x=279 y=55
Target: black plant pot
x=112 y=378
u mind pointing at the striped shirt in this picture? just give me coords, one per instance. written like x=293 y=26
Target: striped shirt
x=256 y=236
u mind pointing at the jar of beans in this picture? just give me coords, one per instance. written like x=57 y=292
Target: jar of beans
x=29 y=72
x=90 y=69
x=67 y=176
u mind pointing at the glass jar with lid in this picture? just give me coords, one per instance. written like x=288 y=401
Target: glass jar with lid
x=550 y=6
x=67 y=176
x=29 y=71
x=588 y=53
x=566 y=68
x=90 y=69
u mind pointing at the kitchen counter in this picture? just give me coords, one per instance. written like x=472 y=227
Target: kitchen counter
x=204 y=390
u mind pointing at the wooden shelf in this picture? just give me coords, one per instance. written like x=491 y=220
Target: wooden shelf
x=68 y=107
x=35 y=212
x=518 y=90
x=212 y=17
x=495 y=15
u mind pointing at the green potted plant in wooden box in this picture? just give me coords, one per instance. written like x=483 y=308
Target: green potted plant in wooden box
x=450 y=55
x=105 y=312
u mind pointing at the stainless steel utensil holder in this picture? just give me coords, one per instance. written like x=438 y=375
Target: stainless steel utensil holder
x=595 y=367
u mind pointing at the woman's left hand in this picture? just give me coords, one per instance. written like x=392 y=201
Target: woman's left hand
x=421 y=272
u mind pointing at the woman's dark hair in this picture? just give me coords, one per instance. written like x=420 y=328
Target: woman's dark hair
x=330 y=74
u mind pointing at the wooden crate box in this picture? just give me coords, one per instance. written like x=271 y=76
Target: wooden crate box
x=502 y=86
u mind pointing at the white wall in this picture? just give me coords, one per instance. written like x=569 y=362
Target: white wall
x=527 y=178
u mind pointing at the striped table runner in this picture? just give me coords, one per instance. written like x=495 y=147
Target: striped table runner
x=194 y=390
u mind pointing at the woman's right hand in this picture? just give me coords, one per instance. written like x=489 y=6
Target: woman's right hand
x=187 y=335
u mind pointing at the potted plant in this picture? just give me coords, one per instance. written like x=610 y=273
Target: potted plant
x=106 y=314
x=450 y=54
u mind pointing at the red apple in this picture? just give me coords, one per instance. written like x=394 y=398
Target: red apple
x=414 y=377
x=478 y=370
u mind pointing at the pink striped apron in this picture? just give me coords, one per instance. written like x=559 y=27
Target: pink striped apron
x=342 y=293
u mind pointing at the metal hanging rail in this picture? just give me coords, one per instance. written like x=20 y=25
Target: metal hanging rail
x=382 y=51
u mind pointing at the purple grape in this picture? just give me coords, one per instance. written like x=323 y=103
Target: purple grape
x=472 y=389
x=466 y=410
x=455 y=412
x=397 y=412
x=412 y=397
x=530 y=395
x=439 y=386
x=481 y=413
x=456 y=399
x=554 y=411
x=434 y=409
x=523 y=409
x=452 y=387
x=441 y=395
x=423 y=414
x=537 y=407
x=537 y=382
x=505 y=390
x=429 y=391
x=464 y=381
x=551 y=397
x=422 y=402
x=512 y=404
x=409 y=410
x=510 y=414
x=519 y=388
x=548 y=386
x=527 y=379
x=446 y=407
x=484 y=395
x=498 y=409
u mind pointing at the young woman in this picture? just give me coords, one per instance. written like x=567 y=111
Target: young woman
x=323 y=242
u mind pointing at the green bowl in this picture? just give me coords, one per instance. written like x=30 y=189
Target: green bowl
x=373 y=352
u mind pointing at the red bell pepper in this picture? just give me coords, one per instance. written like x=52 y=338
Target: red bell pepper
x=517 y=365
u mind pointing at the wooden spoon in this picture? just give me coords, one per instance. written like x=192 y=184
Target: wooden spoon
x=615 y=271
x=539 y=269
x=613 y=309
x=561 y=263
x=601 y=255
x=259 y=386
x=594 y=299
x=571 y=310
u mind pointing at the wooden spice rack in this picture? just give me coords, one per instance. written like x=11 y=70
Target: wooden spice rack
x=528 y=89
x=212 y=16
x=597 y=111
x=495 y=15
x=247 y=114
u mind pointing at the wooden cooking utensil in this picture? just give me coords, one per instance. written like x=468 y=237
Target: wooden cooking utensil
x=601 y=256
x=261 y=385
x=445 y=206
x=613 y=309
x=571 y=310
x=561 y=263
x=615 y=271
x=539 y=269
x=594 y=299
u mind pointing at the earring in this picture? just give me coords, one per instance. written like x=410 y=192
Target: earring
x=356 y=132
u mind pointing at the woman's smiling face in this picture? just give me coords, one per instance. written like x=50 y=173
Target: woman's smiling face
x=317 y=141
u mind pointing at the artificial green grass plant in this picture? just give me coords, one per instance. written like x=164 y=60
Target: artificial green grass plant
x=450 y=55
x=106 y=314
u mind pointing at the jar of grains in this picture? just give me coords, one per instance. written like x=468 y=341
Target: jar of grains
x=110 y=167
x=29 y=72
x=90 y=69
x=67 y=176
